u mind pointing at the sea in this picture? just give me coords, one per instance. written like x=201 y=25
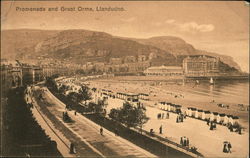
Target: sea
x=233 y=91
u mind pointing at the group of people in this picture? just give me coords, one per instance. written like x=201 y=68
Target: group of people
x=184 y=141
x=66 y=117
x=237 y=127
x=180 y=117
x=212 y=124
x=161 y=115
x=227 y=147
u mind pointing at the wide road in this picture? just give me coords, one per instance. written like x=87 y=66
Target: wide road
x=85 y=134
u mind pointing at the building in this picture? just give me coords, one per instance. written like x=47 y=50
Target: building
x=164 y=71
x=6 y=79
x=16 y=73
x=115 y=61
x=200 y=65
x=27 y=74
x=129 y=59
x=142 y=58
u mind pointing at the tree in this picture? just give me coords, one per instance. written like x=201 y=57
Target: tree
x=63 y=89
x=114 y=114
x=84 y=94
x=51 y=84
x=98 y=108
x=129 y=115
x=73 y=96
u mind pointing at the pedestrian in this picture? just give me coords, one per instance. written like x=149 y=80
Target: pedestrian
x=167 y=115
x=101 y=131
x=208 y=122
x=181 y=116
x=211 y=126
x=239 y=130
x=151 y=132
x=177 y=119
x=231 y=128
x=229 y=146
x=72 y=148
x=181 y=142
x=75 y=113
x=160 y=129
x=184 y=141
x=116 y=132
x=225 y=148
x=187 y=142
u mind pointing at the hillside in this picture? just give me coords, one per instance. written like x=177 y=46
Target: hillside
x=79 y=46
x=16 y=41
x=178 y=47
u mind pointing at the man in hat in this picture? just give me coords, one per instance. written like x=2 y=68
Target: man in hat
x=181 y=142
x=229 y=146
x=225 y=148
x=101 y=131
x=160 y=129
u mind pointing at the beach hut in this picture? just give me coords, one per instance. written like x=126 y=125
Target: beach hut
x=165 y=106
x=172 y=107
x=211 y=118
x=178 y=108
x=218 y=118
x=222 y=118
x=215 y=116
x=193 y=111
x=225 y=120
x=143 y=96
x=196 y=113
x=146 y=97
x=189 y=111
x=235 y=120
x=161 y=106
x=118 y=95
x=168 y=106
x=132 y=97
x=200 y=114
x=205 y=115
x=230 y=119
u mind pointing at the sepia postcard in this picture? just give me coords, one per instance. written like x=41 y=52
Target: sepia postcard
x=106 y=79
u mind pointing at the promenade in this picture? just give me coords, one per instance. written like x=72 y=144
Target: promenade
x=85 y=134
x=209 y=143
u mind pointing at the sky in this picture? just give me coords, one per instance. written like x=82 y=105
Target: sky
x=216 y=26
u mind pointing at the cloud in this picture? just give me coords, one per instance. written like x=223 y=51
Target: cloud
x=194 y=27
x=170 y=21
x=129 y=19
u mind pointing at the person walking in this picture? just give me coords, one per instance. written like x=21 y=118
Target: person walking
x=72 y=148
x=101 y=131
x=116 y=132
x=162 y=115
x=184 y=141
x=225 y=149
x=160 y=129
x=229 y=146
x=208 y=122
x=181 y=142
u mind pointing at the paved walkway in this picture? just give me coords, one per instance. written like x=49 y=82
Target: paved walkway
x=45 y=123
x=86 y=130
